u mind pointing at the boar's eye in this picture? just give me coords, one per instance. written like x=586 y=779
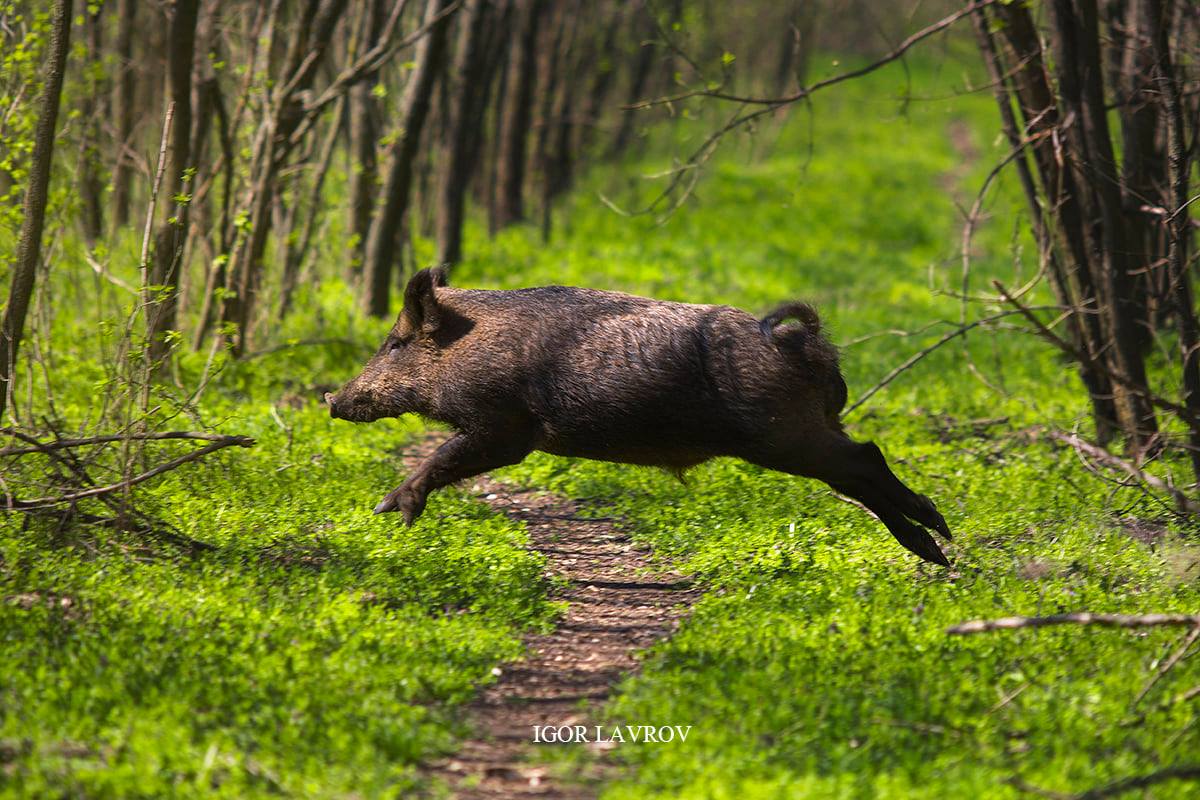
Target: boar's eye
x=396 y=343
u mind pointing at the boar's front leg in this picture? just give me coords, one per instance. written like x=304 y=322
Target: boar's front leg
x=462 y=456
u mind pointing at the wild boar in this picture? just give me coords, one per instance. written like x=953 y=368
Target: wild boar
x=614 y=377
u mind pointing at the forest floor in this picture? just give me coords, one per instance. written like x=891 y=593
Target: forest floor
x=617 y=605
x=312 y=649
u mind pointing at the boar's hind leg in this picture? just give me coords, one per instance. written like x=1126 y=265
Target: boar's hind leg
x=915 y=538
x=462 y=456
x=860 y=471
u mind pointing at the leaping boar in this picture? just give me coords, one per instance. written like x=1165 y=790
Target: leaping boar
x=602 y=375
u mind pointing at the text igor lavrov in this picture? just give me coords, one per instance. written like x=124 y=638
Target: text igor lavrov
x=570 y=734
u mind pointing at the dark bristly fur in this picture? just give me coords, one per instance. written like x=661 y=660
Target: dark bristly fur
x=610 y=376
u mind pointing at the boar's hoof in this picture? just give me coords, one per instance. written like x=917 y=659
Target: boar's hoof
x=409 y=503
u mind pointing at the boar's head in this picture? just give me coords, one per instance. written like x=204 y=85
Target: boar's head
x=398 y=378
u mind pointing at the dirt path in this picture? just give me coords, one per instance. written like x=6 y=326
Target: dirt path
x=618 y=606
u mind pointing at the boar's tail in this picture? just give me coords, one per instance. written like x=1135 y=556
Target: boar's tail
x=806 y=314
x=806 y=344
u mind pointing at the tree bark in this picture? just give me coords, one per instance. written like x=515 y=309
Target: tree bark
x=1036 y=101
x=554 y=128
x=517 y=115
x=91 y=184
x=29 y=243
x=1076 y=36
x=294 y=259
x=1143 y=164
x=1179 y=222
x=383 y=238
x=603 y=72
x=363 y=134
x=458 y=148
x=311 y=37
x=171 y=235
x=638 y=78
x=124 y=90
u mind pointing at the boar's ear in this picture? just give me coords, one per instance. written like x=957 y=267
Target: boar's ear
x=420 y=303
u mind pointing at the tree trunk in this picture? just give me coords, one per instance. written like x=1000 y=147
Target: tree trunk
x=1035 y=99
x=459 y=146
x=554 y=130
x=206 y=94
x=603 y=72
x=638 y=78
x=294 y=259
x=29 y=243
x=518 y=112
x=125 y=88
x=91 y=184
x=1143 y=166
x=795 y=48
x=1076 y=36
x=312 y=35
x=363 y=134
x=1179 y=222
x=383 y=238
x=498 y=33
x=171 y=235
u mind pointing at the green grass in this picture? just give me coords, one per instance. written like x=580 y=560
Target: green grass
x=320 y=651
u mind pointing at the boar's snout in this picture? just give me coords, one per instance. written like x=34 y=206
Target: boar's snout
x=348 y=405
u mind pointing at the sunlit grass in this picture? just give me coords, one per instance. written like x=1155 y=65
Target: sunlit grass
x=321 y=651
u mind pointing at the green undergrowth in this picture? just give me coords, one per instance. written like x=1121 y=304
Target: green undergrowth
x=817 y=663
x=316 y=650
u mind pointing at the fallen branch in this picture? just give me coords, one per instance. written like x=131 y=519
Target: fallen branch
x=1116 y=788
x=1098 y=454
x=58 y=444
x=13 y=504
x=1075 y=618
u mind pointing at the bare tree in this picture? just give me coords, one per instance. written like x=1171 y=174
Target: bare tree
x=508 y=200
x=171 y=235
x=362 y=129
x=309 y=43
x=124 y=89
x=91 y=183
x=554 y=108
x=467 y=93
x=383 y=238
x=29 y=244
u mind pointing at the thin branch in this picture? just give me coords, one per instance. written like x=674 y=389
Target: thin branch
x=1169 y=664
x=1100 y=455
x=144 y=261
x=1075 y=618
x=58 y=444
x=912 y=360
x=44 y=502
x=370 y=62
x=806 y=91
x=1123 y=786
x=687 y=174
x=1184 y=413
